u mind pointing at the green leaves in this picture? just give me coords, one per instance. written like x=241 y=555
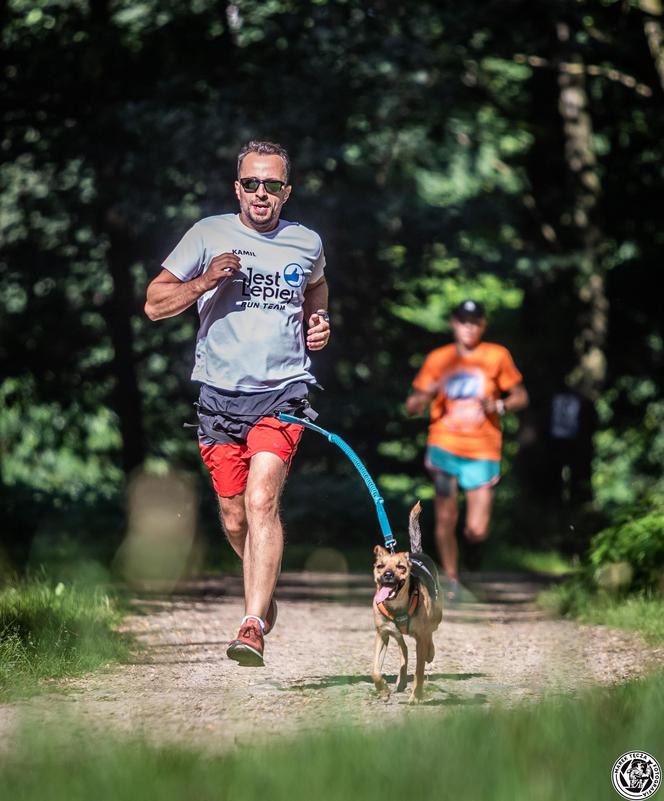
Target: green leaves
x=639 y=543
x=428 y=150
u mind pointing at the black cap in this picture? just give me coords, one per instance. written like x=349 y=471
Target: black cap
x=469 y=310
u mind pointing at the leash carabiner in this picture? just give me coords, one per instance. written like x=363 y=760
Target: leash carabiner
x=390 y=541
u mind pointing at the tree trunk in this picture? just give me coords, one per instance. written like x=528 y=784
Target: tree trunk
x=652 y=28
x=588 y=376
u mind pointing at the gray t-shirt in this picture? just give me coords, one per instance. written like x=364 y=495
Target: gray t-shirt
x=251 y=335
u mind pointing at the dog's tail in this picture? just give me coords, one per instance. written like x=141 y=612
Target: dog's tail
x=414 y=529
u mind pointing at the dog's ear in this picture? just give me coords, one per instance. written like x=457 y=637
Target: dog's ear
x=379 y=551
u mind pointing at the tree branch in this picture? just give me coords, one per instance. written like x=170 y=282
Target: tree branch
x=589 y=69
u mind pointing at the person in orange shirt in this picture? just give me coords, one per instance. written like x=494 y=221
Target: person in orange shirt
x=469 y=384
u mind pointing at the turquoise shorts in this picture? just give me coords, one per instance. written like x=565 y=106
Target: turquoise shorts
x=470 y=473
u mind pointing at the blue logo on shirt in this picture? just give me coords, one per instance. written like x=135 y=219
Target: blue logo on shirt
x=463 y=385
x=293 y=274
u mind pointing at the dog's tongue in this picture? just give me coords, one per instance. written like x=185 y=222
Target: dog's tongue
x=382 y=594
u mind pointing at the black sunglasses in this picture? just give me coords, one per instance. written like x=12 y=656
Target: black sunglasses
x=271 y=184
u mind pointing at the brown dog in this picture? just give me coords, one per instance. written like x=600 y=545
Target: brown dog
x=408 y=600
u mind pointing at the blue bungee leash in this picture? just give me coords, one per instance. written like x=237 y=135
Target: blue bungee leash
x=390 y=541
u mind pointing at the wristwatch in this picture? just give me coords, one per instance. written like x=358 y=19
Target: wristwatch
x=323 y=314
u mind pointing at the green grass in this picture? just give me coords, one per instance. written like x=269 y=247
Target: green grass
x=645 y=615
x=510 y=557
x=641 y=613
x=51 y=630
x=558 y=750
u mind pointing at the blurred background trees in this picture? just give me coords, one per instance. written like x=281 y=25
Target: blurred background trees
x=510 y=151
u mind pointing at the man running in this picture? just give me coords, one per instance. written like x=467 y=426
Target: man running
x=257 y=280
x=470 y=384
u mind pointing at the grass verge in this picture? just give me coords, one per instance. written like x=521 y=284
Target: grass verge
x=641 y=613
x=51 y=630
x=558 y=750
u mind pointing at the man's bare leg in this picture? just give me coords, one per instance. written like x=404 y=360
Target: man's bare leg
x=233 y=516
x=447 y=514
x=478 y=513
x=264 y=545
x=234 y=521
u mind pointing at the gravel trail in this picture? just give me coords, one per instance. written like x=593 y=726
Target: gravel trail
x=497 y=647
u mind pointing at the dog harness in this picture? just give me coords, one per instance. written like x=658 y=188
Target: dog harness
x=403 y=620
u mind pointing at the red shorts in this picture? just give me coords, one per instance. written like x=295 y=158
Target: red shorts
x=228 y=463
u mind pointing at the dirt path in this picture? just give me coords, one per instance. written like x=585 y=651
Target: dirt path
x=182 y=688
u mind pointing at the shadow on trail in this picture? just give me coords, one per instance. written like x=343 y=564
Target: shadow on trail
x=456 y=700
x=336 y=681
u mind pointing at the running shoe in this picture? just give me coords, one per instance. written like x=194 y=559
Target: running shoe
x=453 y=591
x=247 y=648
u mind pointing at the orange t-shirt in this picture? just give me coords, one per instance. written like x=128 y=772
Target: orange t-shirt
x=458 y=421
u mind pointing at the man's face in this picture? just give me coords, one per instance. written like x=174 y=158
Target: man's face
x=468 y=332
x=260 y=209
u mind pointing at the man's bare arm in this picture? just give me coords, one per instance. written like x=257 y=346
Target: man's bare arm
x=318 y=326
x=418 y=400
x=515 y=400
x=315 y=298
x=168 y=296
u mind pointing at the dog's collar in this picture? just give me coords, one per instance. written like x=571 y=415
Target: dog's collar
x=402 y=620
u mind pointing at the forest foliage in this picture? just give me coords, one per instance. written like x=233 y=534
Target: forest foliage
x=508 y=151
